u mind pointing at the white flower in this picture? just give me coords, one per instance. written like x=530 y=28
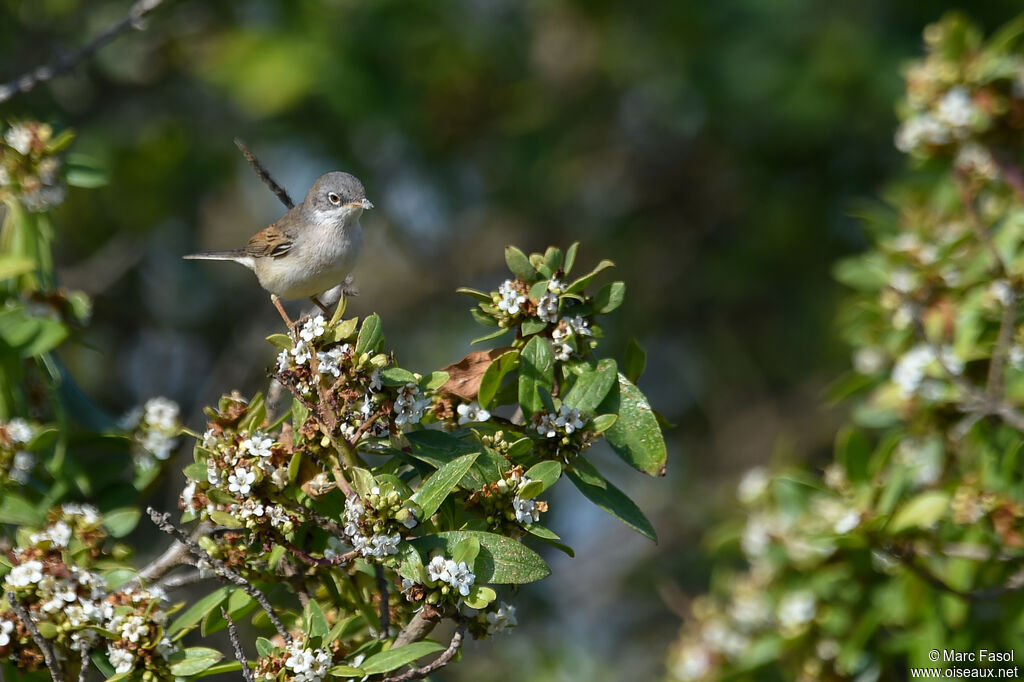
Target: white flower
x=314 y=328
x=472 y=412
x=580 y=325
x=89 y=513
x=301 y=353
x=241 y=481
x=501 y=620
x=920 y=130
x=753 y=484
x=257 y=444
x=974 y=158
x=329 y=362
x=385 y=545
x=19 y=430
x=6 y=628
x=847 y=522
x=547 y=308
x=165 y=647
x=957 y=111
x=279 y=517
x=23 y=575
x=526 y=510
x=158 y=444
x=437 y=569
x=1002 y=291
x=20 y=138
x=693 y=663
x=568 y=419
x=546 y=426
x=561 y=351
x=409 y=405
x=796 y=609
x=280 y=476
x=284 y=360
x=335 y=547
x=869 y=360
x=21 y=466
x=459 y=576
x=122 y=660
x=910 y=369
x=134 y=628
x=188 y=495
x=162 y=413
x=375 y=381
x=556 y=286
x=59 y=534
x=510 y=298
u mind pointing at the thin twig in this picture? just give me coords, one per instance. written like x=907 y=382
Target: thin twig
x=444 y=659
x=174 y=582
x=222 y=569
x=172 y=557
x=44 y=646
x=263 y=175
x=237 y=646
x=385 y=607
x=981 y=594
x=62 y=65
x=994 y=386
x=83 y=673
x=302 y=555
x=967 y=198
x=362 y=428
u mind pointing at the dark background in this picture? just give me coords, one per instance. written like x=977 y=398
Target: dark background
x=717 y=151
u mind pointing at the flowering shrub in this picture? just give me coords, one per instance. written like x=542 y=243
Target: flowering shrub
x=378 y=504
x=911 y=540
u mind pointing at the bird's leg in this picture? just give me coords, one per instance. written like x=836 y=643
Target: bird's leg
x=284 y=316
x=320 y=305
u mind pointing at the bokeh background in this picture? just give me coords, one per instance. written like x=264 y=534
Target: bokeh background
x=718 y=152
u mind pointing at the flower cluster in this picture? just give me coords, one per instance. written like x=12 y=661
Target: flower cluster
x=374 y=524
x=501 y=504
x=154 y=428
x=16 y=460
x=73 y=604
x=458 y=576
x=299 y=662
x=30 y=167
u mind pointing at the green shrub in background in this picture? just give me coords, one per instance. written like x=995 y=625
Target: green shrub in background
x=378 y=504
x=912 y=541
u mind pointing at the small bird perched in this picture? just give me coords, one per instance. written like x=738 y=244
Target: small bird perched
x=313 y=247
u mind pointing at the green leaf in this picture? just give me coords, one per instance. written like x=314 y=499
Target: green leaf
x=121 y=522
x=392 y=659
x=546 y=473
x=484 y=318
x=264 y=647
x=501 y=560
x=436 y=488
x=636 y=435
x=609 y=297
x=467 y=550
x=396 y=376
x=494 y=374
x=592 y=386
x=863 y=273
x=603 y=422
x=520 y=265
x=493 y=335
x=193 y=660
x=480 y=596
x=570 y=257
x=475 y=293
x=84 y=171
x=581 y=283
x=280 y=341
x=532 y=325
x=30 y=336
x=346 y=671
x=609 y=498
x=18 y=511
x=370 y=336
x=316 y=622
x=553 y=259
x=220 y=669
x=225 y=519
x=635 y=361
x=434 y=381
x=199 y=610
x=536 y=365
x=12 y=266
x=922 y=511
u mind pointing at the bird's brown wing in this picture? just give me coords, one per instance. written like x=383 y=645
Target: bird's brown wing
x=273 y=241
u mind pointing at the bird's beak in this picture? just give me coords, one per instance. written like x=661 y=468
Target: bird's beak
x=367 y=204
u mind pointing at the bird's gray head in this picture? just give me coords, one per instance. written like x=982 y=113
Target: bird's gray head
x=337 y=197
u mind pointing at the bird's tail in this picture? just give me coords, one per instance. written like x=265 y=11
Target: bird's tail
x=237 y=255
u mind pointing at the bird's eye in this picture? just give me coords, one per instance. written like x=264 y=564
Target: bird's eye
x=334 y=198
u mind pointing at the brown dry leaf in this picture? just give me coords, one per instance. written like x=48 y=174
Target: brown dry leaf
x=464 y=376
x=1005 y=518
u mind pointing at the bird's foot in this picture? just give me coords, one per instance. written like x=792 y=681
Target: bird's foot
x=280 y=309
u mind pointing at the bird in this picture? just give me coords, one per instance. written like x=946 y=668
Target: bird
x=312 y=247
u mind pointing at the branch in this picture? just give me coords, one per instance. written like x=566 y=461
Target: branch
x=41 y=74
x=172 y=557
x=418 y=628
x=444 y=659
x=237 y=646
x=385 y=608
x=44 y=646
x=83 y=673
x=222 y=569
x=264 y=175
x=981 y=594
x=980 y=231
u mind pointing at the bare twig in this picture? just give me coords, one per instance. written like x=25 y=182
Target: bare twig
x=237 y=646
x=967 y=197
x=385 y=608
x=172 y=557
x=367 y=423
x=83 y=673
x=222 y=569
x=444 y=659
x=173 y=582
x=44 y=646
x=302 y=555
x=263 y=175
x=41 y=74
x=419 y=627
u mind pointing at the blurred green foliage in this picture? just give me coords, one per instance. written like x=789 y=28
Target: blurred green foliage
x=714 y=148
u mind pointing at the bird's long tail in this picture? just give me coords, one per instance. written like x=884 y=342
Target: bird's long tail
x=237 y=255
